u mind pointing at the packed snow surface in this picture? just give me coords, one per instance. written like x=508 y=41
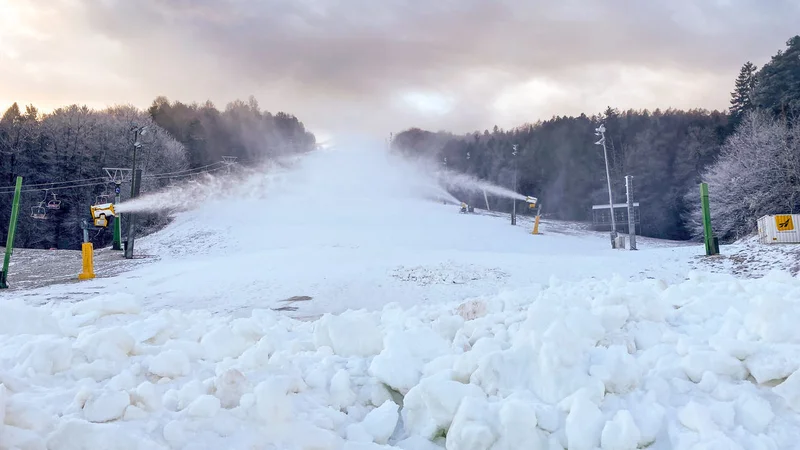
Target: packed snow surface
x=338 y=304
x=711 y=362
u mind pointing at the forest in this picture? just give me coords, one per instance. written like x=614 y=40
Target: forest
x=749 y=156
x=61 y=156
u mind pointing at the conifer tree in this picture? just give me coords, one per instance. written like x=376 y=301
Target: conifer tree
x=741 y=97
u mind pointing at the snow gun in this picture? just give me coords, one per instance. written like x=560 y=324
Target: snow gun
x=531 y=201
x=102 y=214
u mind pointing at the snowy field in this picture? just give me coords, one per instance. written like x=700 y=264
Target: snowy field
x=337 y=307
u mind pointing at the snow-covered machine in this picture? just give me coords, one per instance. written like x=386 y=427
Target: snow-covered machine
x=102 y=214
x=531 y=201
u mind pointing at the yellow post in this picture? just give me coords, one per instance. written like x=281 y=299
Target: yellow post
x=87 y=249
x=536 y=225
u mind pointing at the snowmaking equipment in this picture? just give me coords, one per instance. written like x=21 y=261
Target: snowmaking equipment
x=102 y=214
x=533 y=204
x=465 y=208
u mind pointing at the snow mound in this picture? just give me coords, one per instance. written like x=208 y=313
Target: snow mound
x=711 y=362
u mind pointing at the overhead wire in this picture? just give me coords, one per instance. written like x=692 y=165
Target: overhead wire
x=61 y=185
x=186 y=170
x=11 y=187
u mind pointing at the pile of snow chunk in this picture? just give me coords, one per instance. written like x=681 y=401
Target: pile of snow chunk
x=713 y=362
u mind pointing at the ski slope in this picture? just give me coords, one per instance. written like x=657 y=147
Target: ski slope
x=358 y=230
x=420 y=328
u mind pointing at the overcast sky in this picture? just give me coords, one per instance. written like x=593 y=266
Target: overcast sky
x=384 y=65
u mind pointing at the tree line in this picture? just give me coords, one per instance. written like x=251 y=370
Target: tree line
x=668 y=153
x=61 y=156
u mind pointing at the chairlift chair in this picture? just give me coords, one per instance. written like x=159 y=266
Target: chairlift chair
x=102 y=199
x=39 y=212
x=55 y=203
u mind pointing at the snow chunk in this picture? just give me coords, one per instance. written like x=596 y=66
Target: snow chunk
x=753 y=413
x=134 y=413
x=21 y=319
x=114 y=344
x=342 y=394
x=417 y=443
x=272 y=401
x=790 y=390
x=258 y=355
x=107 y=406
x=697 y=417
x=619 y=371
x=147 y=396
x=174 y=434
x=229 y=387
x=119 y=303
x=405 y=353
x=381 y=422
x=773 y=362
x=170 y=363
x=45 y=356
x=349 y=334
x=472 y=309
x=223 y=343
x=204 y=406
x=698 y=362
x=472 y=427
x=3 y=401
x=518 y=427
x=14 y=438
x=584 y=425
x=431 y=405
x=620 y=433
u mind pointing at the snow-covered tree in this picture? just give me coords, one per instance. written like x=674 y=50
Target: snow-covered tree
x=757 y=173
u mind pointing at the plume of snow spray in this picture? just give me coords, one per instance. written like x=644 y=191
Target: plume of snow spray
x=208 y=188
x=469 y=183
x=365 y=175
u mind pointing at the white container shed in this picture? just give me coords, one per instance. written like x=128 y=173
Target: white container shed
x=779 y=229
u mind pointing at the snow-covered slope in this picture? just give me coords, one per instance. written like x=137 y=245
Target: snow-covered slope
x=473 y=334
x=360 y=229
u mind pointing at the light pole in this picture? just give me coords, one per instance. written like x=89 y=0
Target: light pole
x=444 y=201
x=135 y=181
x=514 y=187
x=601 y=131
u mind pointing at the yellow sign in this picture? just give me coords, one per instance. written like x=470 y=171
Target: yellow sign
x=784 y=222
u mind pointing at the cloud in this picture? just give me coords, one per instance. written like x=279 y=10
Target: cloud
x=343 y=64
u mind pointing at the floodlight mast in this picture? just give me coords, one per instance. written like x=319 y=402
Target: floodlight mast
x=136 y=179
x=601 y=131
x=514 y=187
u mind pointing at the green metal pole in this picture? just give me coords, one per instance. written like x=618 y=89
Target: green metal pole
x=117 y=223
x=707 y=231
x=12 y=228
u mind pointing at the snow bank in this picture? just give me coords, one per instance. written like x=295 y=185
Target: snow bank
x=712 y=362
